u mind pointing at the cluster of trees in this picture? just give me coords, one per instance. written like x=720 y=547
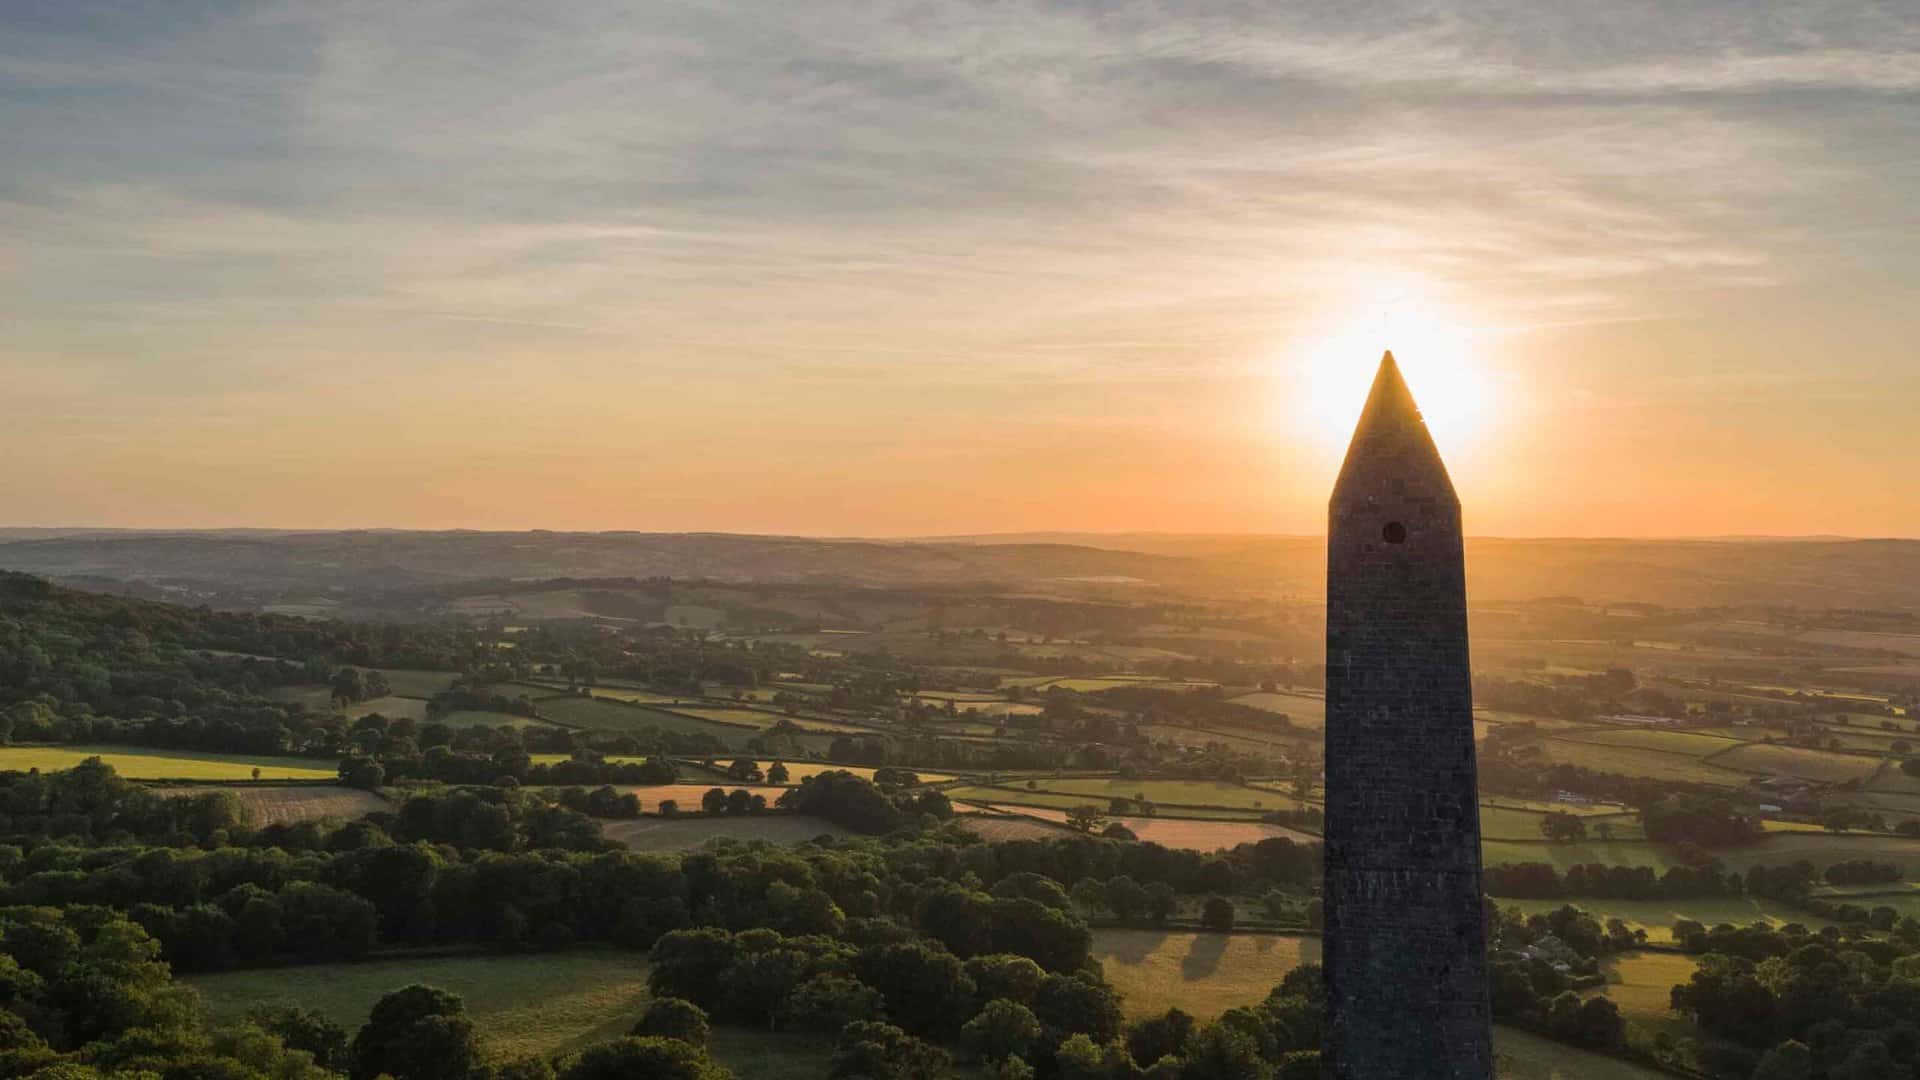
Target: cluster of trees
x=899 y=1001
x=1537 y=965
x=83 y=992
x=1782 y=1003
x=856 y=803
x=1705 y=820
x=1541 y=881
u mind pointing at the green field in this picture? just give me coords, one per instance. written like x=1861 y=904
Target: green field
x=529 y=1004
x=1508 y=823
x=139 y=763
x=1633 y=761
x=1670 y=742
x=1522 y=1055
x=1560 y=856
x=465 y=718
x=1219 y=793
x=420 y=684
x=1820 y=765
x=1303 y=711
x=615 y=716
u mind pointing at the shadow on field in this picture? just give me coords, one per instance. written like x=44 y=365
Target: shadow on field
x=1132 y=946
x=1203 y=959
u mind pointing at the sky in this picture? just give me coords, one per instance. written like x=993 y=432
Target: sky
x=888 y=268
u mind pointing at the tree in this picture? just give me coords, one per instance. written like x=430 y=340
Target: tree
x=1162 y=901
x=1000 y=1030
x=304 y=1029
x=1219 y=1052
x=650 y=1056
x=416 y=1033
x=674 y=1018
x=1160 y=1036
x=1561 y=827
x=1217 y=914
x=777 y=773
x=829 y=1002
x=875 y=1051
x=714 y=801
x=1791 y=1060
x=1126 y=896
x=926 y=990
x=1085 y=818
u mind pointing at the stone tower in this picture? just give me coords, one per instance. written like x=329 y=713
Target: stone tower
x=1405 y=947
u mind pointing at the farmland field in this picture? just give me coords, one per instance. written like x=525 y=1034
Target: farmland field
x=295 y=802
x=1179 y=832
x=614 y=716
x=1522 y=1055
x=687 y=833
x=1641 y=984
x=140 y=763
x=530 y=1004
x=420 y=684
x=1062 y=801
x=465 y=718
x=1821 y=765
x=1206 y=974
x=1632 y=761
x=393 y=707
x=745 y=717
x=1561 y=856
x=1303 y=711
x=1171 y=792
x=1672 y=742
x=998 y=827
x=1823 y=850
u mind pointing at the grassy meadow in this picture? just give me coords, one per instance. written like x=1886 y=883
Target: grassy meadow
x=527 y=1004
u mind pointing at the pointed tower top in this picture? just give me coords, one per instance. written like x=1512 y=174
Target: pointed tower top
x=1391 y=441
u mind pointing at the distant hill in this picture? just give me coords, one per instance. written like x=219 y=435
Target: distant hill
x=241 y=568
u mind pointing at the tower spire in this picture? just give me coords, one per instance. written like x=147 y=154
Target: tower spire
x=1392 y=435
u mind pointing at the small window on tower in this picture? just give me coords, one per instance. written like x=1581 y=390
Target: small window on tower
x=1394 y=533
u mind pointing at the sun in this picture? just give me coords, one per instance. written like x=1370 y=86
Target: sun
x=1438 y=350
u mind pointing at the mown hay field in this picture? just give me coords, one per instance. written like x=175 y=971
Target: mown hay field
x=1821 y=765
x=295 y=803
x=1641 y=985
x=141 y=763
x=529 y=1004
x=1204 y=974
